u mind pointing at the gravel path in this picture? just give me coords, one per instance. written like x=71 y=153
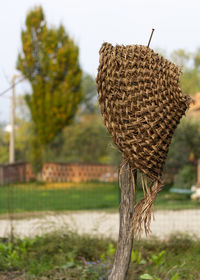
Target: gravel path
x=102 y=223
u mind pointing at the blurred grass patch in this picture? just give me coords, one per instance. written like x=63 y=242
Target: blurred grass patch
x=38 y=196
x=74 y=196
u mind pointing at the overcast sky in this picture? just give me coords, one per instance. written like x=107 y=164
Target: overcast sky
x=91 y=22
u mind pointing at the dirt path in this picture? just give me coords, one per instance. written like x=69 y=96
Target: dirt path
x=102 y=223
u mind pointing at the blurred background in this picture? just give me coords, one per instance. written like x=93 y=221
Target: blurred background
x=58 y=165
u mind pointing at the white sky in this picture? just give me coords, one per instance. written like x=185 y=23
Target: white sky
x=91 y=22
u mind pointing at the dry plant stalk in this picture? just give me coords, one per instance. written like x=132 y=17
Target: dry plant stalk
x=142 y=104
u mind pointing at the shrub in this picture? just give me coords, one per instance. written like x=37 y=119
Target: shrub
x=186 y=177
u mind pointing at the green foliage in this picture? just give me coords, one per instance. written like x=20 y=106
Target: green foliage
x=136 y=257
x=49 y=60
x=62 y=148
x=146 y=276
x=175 y=277
x=158 y=259
x=86 y=141
x=114 y=154
x=23 y=134
x=72 y=254
x=110 y=252
x=89 y=88
x=4 y=144
x=190 y=63
x=186 y=177
x=149 y=277
x=167 y=259
x=24 y=130
x=66 y=255
x=180 y=57
x=185 y=148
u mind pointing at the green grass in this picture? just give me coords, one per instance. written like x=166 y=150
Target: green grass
x=70 y=256
x=36 y=196
x=171 y=201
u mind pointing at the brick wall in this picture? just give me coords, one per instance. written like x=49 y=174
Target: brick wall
x=13 y=173
x=58 y=172
x=1 y=175
x=29 y=173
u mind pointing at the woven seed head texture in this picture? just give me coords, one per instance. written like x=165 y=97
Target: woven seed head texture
x=142 y=104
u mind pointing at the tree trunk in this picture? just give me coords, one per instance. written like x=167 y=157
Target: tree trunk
x=125 y=240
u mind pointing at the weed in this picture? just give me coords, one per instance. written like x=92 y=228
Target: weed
x=67 y=255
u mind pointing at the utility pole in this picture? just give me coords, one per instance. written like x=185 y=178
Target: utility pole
x=12 y=123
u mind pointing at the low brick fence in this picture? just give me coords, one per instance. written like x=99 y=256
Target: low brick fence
x=62 y=172
x=16 y=172
x=58 y=172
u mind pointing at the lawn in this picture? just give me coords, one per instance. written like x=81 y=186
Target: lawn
x=37 y=196
x=58 y=197
x=66 y=255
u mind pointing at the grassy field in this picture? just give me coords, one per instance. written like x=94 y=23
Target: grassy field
x=77 y=196
x=69 y=256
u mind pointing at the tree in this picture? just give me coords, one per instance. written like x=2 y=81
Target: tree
x=4 y=144
x=89 y=87
x=85 y=141
x=49 y=60
x=186 y=138
x=190 y=64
